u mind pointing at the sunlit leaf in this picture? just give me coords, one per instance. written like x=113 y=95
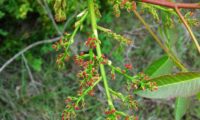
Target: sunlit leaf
x=178 y=85
x=159 y=67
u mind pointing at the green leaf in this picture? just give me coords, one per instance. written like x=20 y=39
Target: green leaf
x=169 y=86
x=181 y=107
x=3 y=33
x=159 y=67
x=46 y=48
x=2 y=14
x=23 y=10
x=36 y=64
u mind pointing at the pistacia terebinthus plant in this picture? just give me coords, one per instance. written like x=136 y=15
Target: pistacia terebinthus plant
x=92 y=64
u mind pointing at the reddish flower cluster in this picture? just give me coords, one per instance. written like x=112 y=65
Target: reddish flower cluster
x=110 y=112
x=128 y=5
x=131 y=118
x=132 y=104
x=57 y=45
x=78 y=60
x=88 y=74
x=143 y=76
x=66 y=115
x=134 y=5
x=91 y=92
x=123 y=2
x=70 y=104
x=142 y=82
x=91 y=42
x=68 y=100
x=153 y=86
x=104 y=59
x=76 y=108
x=128 y=66
x=113 y=76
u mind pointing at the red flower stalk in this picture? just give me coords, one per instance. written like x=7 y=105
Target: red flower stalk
x=173 y=4
x=134 y=6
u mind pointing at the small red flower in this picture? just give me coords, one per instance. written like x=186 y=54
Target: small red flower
x=68 y=100
x=76 y=108
x=91 y=42
x=127 y=118
x=136 y=118
x=134 y=6
x=128 y=66
x=61 y=41
x=123 y=2
x=91 y=93
x=113 y=76
x=123 y=71
x=54 y=46
x=63 y=116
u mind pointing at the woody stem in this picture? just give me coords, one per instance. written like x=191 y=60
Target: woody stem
x=168 y=4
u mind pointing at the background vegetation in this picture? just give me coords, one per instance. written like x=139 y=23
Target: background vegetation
x=33 y=88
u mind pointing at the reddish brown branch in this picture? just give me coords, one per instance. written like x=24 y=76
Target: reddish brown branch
x=172 y=4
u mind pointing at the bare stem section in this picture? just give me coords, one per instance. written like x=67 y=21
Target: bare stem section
x=168 y=4
x=188 y=28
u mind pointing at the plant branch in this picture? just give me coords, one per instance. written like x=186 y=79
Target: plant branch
x=157 y=39
x=119 y=95
x=188 y=28
x=26 y=49
x=116 y=36
x=33 y=82
x=98 y=49
x=168 y=4
x=120 y=72
x=87 y=90
x=71 y=40
x=50 y=15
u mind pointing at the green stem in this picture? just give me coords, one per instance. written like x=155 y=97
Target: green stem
x=119 y=95
x=71 y=40
x=122 y=113
x=120 y=72
x=98 y=49
x=175 y=60
x=87 y=90
x=116 y=36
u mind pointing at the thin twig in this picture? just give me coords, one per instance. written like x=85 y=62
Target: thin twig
x=157 y=39
x=137 y=30
x=33 y=82
x=27 y=67
x=26 y=49
x=188 y=28
x=34 y=45
x=49 y=13
x=69 y=20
